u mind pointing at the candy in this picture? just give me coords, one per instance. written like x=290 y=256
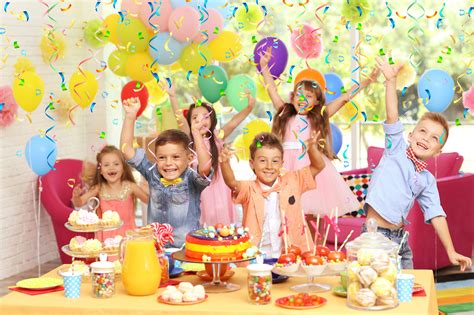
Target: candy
x=381 y=287
x=103 y=284
x=259 y=289
x=365 y=297
x=367 y=275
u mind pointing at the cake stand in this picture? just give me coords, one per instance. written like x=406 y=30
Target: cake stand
x=216 y=285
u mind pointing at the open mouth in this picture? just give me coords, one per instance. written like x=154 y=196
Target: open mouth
x=169 y=171
x=112 y=174
x=421 y=146
x=268 y=173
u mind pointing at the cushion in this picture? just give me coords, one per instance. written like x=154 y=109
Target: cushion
x=359 y=185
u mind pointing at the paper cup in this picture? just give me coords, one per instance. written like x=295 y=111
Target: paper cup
x=72 y=285
x=405 y=287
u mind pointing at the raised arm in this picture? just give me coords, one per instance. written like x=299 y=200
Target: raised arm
x=203 y=156
x=178 y=113
x=237 y=119
x=131 y=107
x=270 y=85
x=78 y=199
x=140 y=193
x=227 y=172
x=315 y=156
x=391 y=99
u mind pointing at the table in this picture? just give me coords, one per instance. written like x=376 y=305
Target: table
x=217 y=303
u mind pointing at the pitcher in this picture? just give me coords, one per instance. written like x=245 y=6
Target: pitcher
x=141 y=271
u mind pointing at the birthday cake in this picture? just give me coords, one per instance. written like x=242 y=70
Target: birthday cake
x=219 y=243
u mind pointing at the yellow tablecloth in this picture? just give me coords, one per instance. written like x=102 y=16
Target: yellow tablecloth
x=217 y=303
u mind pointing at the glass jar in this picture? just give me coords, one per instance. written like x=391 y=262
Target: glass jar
x=259 y=283
x=372 y=271
x=164 y=264
x=103 y=278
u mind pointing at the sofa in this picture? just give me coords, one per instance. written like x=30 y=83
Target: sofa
x=456 y=192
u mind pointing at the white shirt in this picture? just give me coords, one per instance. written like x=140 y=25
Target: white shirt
x=270 y=244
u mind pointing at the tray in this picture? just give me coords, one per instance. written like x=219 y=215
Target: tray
x=181 y=303
x=94 y=229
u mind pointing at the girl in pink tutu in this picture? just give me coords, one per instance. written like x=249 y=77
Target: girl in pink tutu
x=216 y=199
x=294 y=122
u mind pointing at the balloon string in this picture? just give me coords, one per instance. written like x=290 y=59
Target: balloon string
x=37 y=214
x=416 y=57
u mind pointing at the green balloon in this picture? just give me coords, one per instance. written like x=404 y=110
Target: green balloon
x=237 y=90
x=212 y=82
x=94 y=35
x=117 y=61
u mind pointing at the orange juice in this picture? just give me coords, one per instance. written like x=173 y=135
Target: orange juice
x=141 y=271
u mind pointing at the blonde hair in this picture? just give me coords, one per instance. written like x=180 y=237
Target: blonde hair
x=439 y=119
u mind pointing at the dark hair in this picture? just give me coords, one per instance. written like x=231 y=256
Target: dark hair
x=439 y=119
x=265 y=139
x=210 y=134
x=172 y=136
x=127 y=170
x=318 y=118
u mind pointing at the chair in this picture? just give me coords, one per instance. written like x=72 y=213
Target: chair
x=56 y=199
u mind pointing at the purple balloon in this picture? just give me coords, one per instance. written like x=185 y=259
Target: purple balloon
x=279 y=57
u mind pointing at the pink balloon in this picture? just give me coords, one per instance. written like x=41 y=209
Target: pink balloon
x=133 y=8
x=184 y=23
x=214 y=20
x=161 y=20
x=307 y=42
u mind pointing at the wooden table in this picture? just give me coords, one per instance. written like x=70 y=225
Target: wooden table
x=217 y=303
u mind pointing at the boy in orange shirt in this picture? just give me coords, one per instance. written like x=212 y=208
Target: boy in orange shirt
x=272 y=198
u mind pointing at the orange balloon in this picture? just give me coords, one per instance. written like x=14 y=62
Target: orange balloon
x=311 y=75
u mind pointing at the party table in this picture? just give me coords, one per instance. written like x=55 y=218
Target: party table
x=217 y=303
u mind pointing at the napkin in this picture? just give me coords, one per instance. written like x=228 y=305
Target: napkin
x=37 y=292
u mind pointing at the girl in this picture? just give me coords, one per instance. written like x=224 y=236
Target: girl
x=116 y=189
x=216 y=200
x=294 y=121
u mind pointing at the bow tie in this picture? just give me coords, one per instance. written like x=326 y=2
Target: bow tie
x=173 y=182
x=419 y=164
x=275 y=188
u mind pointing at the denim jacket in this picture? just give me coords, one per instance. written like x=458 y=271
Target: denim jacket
x=177 y=205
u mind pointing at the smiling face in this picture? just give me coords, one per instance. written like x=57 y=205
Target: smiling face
x=201 y=113
x=172 y=160
x=304 y=100
x=266 y=164
x=427 y=139
x=111 y=167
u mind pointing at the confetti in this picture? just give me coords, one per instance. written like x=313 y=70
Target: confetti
x=381 y=52
x=19 y=153
x=115 y=121
x=71 y=182
x=326 y=59
x=375 y=118
x=392 y=23
x=254 y=39
x=389 y=142
x=336 y=39
x=458 y=123
x=102 y=135
x=2 y=30
x=245 y=131
x=269 y=113
x=15 y=44
x=390 y=61
x=92 y=107
x=464 y=113
x=440 y=59
x=1 y=106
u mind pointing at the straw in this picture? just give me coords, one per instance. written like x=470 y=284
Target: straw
x=327 y=229
x=404 y=238
x=316 y=233
x=345 y=241
x=305 y=229
x=335 y=234
x=285 y=241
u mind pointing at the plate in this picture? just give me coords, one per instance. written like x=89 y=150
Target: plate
x=417 y=288
x=181 y=303
x=39 y=283
x=95 y=228
x=278 y=302
x=204 y=276
x=339 y=291
x=176 y=272
x=276 y=278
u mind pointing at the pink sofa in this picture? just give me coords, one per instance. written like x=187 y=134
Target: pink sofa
x=56 y=199
x=456 y=192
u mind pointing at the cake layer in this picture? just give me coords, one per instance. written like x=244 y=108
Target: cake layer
x=214 y=256
x=224 y=242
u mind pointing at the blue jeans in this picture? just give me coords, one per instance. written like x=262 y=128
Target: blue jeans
x=396 y=236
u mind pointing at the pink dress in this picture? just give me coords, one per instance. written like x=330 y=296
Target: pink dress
x=216 y=199
x=331 y=191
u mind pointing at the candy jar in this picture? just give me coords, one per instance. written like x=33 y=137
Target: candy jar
x=259 y=283
x=372 y=271
x=164 y=264
x=103 y=278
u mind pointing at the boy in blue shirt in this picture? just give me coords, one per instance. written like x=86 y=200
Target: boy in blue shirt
x=401 y=176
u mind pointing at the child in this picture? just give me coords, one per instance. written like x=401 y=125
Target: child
x=175 y=189
x=115 y=187
x=401 y=177
x=216 y=201
x=87 y=176
x=305 y=113
x=272 y=198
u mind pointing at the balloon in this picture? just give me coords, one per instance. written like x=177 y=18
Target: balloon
x=159 y=17
x=40 y=154
x=165 y=49
x=242 y=152
x=132 y=7
x=311 y=75
x=336 y=138
x=356 y=11
x=136 y=89
x=237 y=91
x=192 y=57
x=138 y=67
x=248 y=17
x=222 y=6
x=110 y=25
x=307 y=42
x=133 y=35
x=117 y=62
x=333 y=86
x=157 y=94
x=53 y=46
x=226 y=46
x=252 y=129
x=83 y=87
x=212 y=82
x=278 y=59
x=262 y=93
x=28 y=90
x=436 y=89
x=214 y=22
x=183 y=23
x=93 y=33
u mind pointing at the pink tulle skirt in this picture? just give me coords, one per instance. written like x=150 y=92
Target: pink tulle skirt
x=216 y=203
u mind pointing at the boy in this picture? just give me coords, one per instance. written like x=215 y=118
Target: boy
x=175 y=189
x=401 y=177
x=272 y=197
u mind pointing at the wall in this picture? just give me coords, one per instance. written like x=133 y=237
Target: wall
x=18 y=190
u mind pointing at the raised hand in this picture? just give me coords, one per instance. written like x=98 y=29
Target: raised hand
x=374 y=74
x=225 y=155
x=251 y=101
x=77 y=191
x=314 y=138
x=460 y=260
x=265 y=57
x=389 y=71
x=168 y=88
x=131 y=106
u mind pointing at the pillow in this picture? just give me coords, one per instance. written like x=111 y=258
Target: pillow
x=359 y=185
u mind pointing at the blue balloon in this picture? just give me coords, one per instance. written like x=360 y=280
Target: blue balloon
x=220 y=6
x=336 y=138
x=333 y=86
x=41 y=153
x=168 y=55
x=436 y=89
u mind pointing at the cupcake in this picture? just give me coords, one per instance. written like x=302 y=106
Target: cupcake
x=73 y=216
x=111 y=244
x=86 y=220
x=77 y=243
x=110 y=218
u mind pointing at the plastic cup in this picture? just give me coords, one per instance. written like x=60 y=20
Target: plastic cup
x=72 y=285
x=405 y=287
x=344 y=279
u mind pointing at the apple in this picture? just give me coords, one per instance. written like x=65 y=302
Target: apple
x=313 y=260
x=323 y=251
x=336 y=256
x=295 y=250
x=305 y=254
x=286 y=259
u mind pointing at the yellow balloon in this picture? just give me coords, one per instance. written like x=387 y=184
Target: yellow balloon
x=117 y=62
x=133 y=35
x=138 y=67
x=174 y=67
x=347 y=112
x=53 y=46
x=249 y=17
x=241 y=151
x=262 y=93
x=28 y=90
x=165 y=118
x=226 y=46
x=110 y=25
x=252 y=129
x=191 y=57
x=156 y=94
x=83 y=87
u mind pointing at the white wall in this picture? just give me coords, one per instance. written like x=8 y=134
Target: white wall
x=17 y=181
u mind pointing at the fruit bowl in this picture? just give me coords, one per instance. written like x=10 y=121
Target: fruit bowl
x=286 y=269
x=337 y=266
x=313 y=270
